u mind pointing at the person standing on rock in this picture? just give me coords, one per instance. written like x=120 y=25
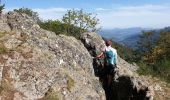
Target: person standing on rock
x=110 y=60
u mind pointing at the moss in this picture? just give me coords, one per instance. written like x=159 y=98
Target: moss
x=3 y=49
x=5 y=86
x=70 y=83
x=51 y=95
x=1 y=89
x=2 y=34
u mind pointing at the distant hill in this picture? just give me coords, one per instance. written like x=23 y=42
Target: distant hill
x=131 y=41
x=120 y=34
x=127 y=37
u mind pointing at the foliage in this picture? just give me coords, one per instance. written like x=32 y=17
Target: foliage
x=29 y=12
x=160 y=69
x=81 y=20
x=154 y=50
x=144 y=69
x=154 y=54
x=146 y=44
x=60 y=28
x=53 y=25
x=2 y=7
x=74 y=23
x=162 y=50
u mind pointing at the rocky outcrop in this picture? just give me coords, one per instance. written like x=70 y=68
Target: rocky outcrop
x=35 y=64
x=93 y=42
x=4 y=27
x=126 y=84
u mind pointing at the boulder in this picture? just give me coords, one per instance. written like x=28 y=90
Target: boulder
x=36 y=64
x=126 y=83
x=93 y=42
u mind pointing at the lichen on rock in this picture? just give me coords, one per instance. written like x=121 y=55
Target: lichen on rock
x=38 y=60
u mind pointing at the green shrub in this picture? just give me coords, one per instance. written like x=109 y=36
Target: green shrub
x=160 y=69
x=144 y=69
x=1 y=8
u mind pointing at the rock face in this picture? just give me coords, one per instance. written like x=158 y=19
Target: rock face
x=93 y=42
x=126 y=84
x=35 y=64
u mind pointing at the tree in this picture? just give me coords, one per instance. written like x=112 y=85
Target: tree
x=29 y=12
x=146 y=44
x=53 y=25
x=79 y=18
x=155 y=49
x=162 y=49
x=2 y=7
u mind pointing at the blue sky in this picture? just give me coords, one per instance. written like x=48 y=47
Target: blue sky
x=112 y=13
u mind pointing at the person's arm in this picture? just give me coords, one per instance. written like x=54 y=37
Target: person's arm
x=100 y=55
x=116 y=56
x=116 y=60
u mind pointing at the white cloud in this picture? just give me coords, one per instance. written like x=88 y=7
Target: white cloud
x=121 y=16
x=10 y=9
x=101 y=9
x=144 y=7
x=51 y=13
x=46 y=13
x=51 y=10
x=136 y=16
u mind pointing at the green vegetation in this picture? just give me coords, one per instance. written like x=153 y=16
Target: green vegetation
x=70 y=83
x=53 y=25
x=160 y=69
x=29 y=12
x=81 y=19
x=73 y=23
x=2 y=7
x=154 y=54
x=61 y=28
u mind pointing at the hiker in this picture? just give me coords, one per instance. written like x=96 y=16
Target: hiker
x=110 y=60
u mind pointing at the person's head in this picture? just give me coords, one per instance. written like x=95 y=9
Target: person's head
x=108 y=42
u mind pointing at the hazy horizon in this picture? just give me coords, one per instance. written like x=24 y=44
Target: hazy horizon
x=111 y=13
